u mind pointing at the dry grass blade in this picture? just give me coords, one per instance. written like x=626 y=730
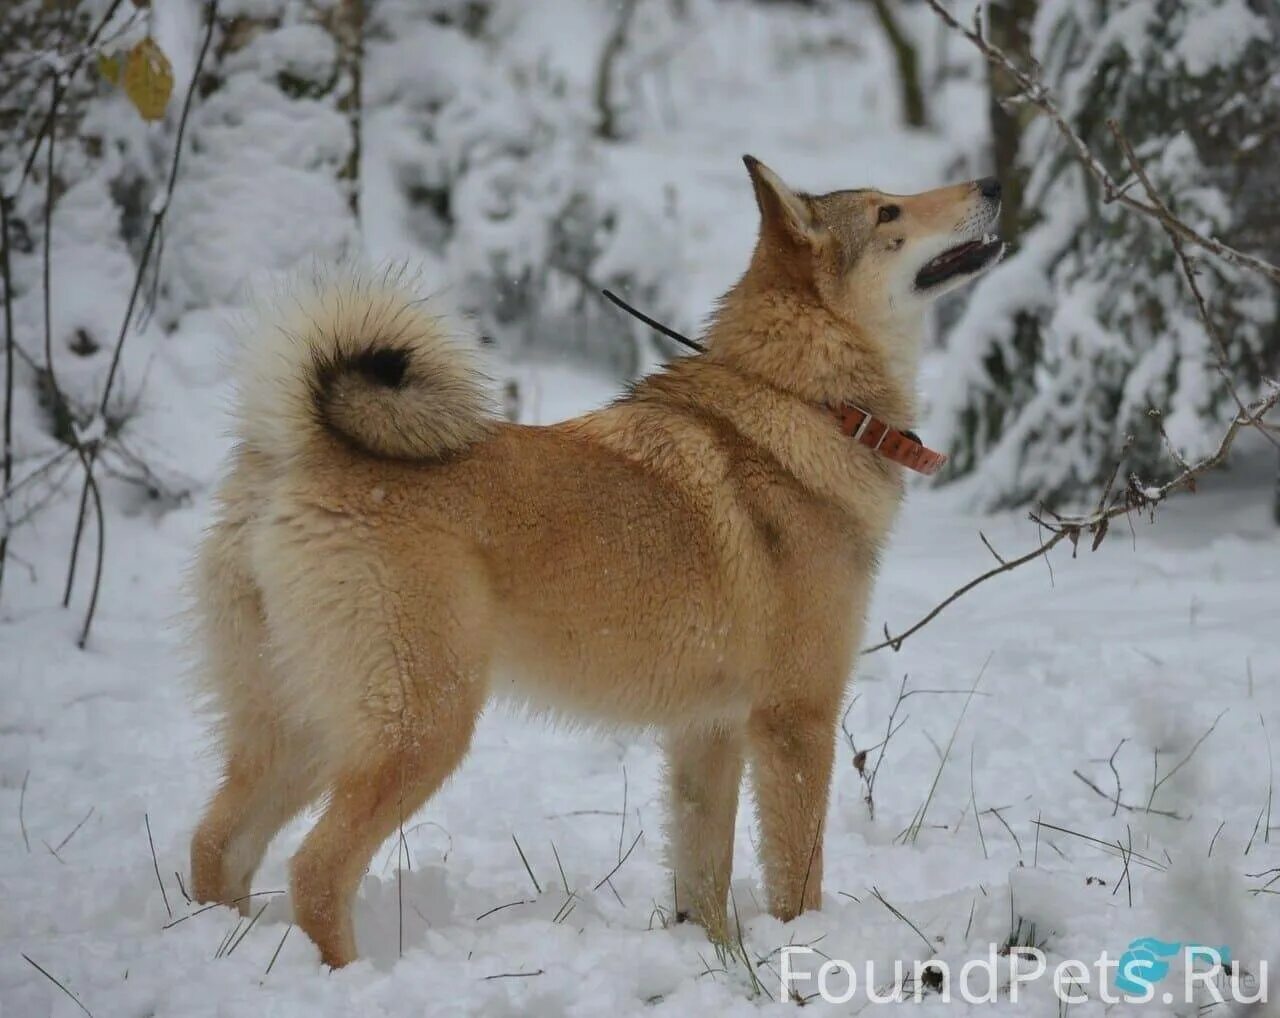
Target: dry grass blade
x=22 y=806
x=627 y=855
x=875 y=893
x=1106 y=846
x=279 y=948
x=917 y=823
x=45 y=972
x=146 y=819
x=527 y=868
x=252 y=922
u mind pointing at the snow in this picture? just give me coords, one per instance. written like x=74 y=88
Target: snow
x=1129 y=654
x=1147 y=640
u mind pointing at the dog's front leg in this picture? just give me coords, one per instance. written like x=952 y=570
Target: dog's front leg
x=704 y=770
x=792 y=749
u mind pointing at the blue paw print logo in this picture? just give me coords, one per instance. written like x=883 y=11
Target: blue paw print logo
x=1146 y=961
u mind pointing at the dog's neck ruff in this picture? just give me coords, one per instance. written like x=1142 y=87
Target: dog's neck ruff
x=899 y=446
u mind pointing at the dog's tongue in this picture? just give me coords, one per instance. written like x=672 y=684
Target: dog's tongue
x=951 y=254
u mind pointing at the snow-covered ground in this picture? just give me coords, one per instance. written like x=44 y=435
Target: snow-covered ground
x=1149 y=640
x=1148 y=669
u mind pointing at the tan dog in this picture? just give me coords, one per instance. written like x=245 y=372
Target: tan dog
x=696 y=557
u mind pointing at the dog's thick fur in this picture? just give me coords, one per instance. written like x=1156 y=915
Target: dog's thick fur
x=696 y=557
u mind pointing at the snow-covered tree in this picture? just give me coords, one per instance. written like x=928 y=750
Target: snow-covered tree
x=1065 y=350
x=501 y=155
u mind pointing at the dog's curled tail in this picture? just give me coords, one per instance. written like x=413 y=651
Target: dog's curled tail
x=362 y=359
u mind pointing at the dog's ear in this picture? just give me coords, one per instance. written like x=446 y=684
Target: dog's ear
x=783 y=213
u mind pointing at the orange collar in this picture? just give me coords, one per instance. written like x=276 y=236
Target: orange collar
x=900 y=446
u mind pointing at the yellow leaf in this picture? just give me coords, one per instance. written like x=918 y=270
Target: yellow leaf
x=109 y=67
x=148 y=79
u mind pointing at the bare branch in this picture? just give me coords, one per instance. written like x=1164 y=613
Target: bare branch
x=157 y=223
x=1034 y=92
x=1135 y=497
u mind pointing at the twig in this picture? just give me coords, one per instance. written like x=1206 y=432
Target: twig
x=1118 y=805
x=1111 y=762
x=889 y=731
x=514 y=975
x=1135 y=497
x=1034 y=92
x=7 y=280
x=22 y=803
x=45 y=972
x=151 y=843
x=1155 y=787
x=157 y=222
x=47 y=126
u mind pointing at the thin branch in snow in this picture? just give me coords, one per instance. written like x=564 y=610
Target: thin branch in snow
x=159 y=208
x=1155 y=787
x=6 y=279
x=1118 y=805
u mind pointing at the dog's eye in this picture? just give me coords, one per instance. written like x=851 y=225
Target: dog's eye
x=888 y=213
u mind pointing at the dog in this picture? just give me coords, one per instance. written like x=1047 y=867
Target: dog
x=696 y=558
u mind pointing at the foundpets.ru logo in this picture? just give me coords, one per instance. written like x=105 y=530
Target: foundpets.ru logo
x=1146 y=962
x=1208 y=977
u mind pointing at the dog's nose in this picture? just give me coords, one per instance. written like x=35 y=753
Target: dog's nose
x=989 y=187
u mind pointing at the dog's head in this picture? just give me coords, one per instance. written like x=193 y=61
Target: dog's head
x=873 y=258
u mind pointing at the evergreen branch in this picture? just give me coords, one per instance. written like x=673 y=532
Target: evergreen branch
x=1188 y=271
x=1136 y=497
x=1034 y=91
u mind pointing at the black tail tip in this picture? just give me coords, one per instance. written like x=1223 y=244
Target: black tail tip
x=382 y=366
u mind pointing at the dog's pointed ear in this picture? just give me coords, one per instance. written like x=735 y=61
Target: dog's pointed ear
x=782 y=211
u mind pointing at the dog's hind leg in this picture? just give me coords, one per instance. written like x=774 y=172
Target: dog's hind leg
x=267 y=777
x=704 y=771
x=420 y=661
x=375 y=793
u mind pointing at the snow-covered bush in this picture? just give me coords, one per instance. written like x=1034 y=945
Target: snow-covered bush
x=499 y=155
x=1066 y=348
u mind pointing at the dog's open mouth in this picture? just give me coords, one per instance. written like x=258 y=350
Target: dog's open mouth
x=962 y=260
